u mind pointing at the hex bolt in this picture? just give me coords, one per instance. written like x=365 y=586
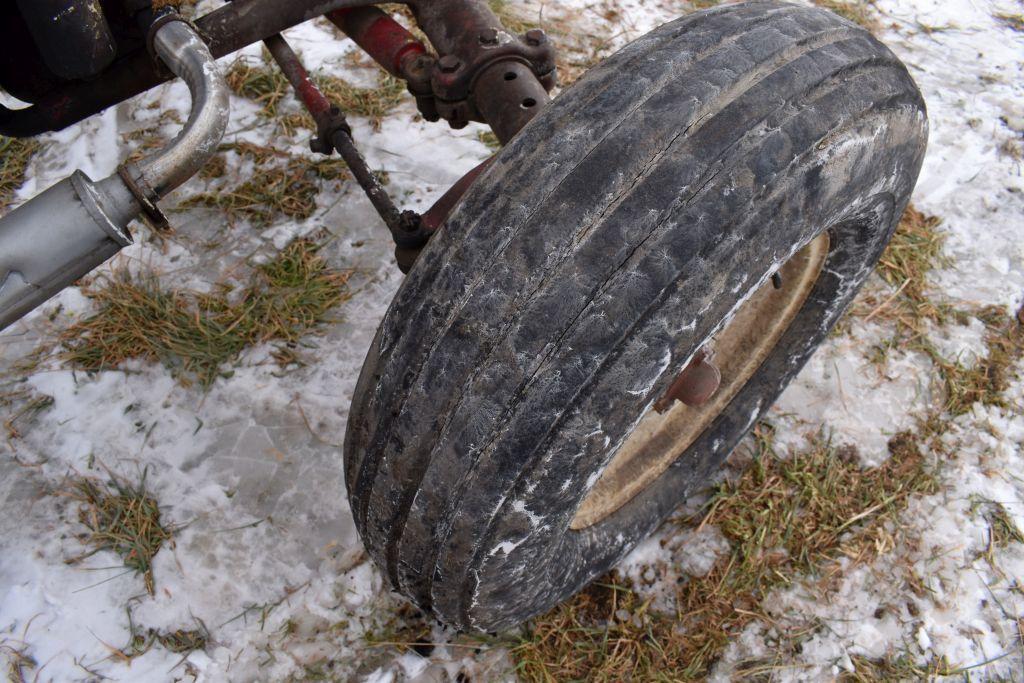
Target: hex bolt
x=535 y=37
x=489 y=37
x=449 y=64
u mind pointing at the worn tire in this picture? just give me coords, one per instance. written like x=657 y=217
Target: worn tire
x=613 y=236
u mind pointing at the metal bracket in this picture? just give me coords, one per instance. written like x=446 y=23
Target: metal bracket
x=146 y=197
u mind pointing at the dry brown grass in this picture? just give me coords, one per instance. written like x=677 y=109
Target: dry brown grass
x=986 y=380
x=373 y=104
x=1002 y=529
x=180 y=641
x=278 y=185
x=122 y=518
x=15 y=155
x=910 y=306
x=18 y=662
x=785 y=520
x=857 y=11
x=196 y=334
x=21 y=404
x=259 y=82
x=916 y=249
x=896 y=668
x=512 y=17
x=264 y=84
x=1013 y=20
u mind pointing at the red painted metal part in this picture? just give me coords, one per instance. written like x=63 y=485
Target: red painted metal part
x=314 y=100
x=436 y=215
x=380 y=36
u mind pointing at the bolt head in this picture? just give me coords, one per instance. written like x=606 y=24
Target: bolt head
x=535 y=37
x=449 y=64
x=489 y=37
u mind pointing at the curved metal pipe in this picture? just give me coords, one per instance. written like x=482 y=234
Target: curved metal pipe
x=76 y=225
x=227 y=29
x=180 y=47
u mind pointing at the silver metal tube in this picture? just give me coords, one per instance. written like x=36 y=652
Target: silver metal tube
x=48 y=243
x=62 y=234
x=187 y=55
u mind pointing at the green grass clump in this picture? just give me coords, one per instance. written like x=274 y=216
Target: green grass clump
x=197 y=334
x=279 y=185
x=124 y=519
x=15 y=155
x=784 y=520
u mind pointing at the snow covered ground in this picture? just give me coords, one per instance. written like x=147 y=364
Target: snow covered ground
x=269 y=560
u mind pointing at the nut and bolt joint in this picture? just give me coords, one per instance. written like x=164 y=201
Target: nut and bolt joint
x=535 y=37
x=449 y=64
x=489 y=37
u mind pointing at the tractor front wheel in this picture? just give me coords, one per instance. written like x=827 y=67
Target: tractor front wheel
x=715 y=193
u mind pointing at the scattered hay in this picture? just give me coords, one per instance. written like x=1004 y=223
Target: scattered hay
x=15 y=155
x=265 y=85
x=488 y=138
x=908 y=304
x=259 y=82
x=180 y=641
x=18 y=662
x=22 y=405
x=196 y=334
x=216 y=167
x=1002 y=529
x=916 y=249
x=370 y=103
x=901 y=668
x=785 y=519
x=124 y=519
x=279 y=185
x=1014 y=21
x=1012 y=148
x=511 y=17
x=857 y=11
x=145 y=141
x=987 y=380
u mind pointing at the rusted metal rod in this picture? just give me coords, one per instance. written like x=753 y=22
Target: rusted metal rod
x=334 y=133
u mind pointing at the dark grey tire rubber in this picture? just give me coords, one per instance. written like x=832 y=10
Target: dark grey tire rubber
x=614 y=235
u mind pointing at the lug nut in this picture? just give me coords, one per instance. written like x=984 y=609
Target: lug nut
x=535 y=37
x=489 y=37
x=449 y=64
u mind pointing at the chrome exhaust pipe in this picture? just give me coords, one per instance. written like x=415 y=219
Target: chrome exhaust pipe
x=62 y=234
